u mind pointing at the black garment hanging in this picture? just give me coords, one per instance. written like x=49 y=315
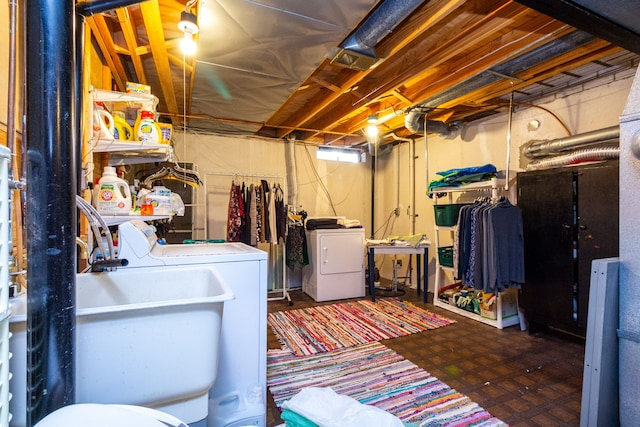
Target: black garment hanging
x=281 y=213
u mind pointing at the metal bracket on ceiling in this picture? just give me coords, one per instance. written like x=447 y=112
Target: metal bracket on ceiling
x=504 y=76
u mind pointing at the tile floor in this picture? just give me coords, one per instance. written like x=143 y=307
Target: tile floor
x=524 y=380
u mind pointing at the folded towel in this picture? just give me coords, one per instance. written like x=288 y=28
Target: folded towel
x=326 y=408
x=293 y=419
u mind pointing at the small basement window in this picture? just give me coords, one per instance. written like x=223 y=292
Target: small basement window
x=339 y=155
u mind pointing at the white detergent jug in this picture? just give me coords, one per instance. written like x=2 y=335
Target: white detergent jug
x=112 y=194
x=103 y=125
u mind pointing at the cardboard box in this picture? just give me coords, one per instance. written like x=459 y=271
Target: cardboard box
x=132 y=87
x=489 y=305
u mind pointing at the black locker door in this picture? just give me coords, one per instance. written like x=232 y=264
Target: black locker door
x=597 y=224
x=546 y=200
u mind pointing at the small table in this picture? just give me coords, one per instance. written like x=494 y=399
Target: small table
x=420 y=250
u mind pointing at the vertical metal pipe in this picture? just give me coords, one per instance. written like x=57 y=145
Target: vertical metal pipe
x=11 y=90
x=51 y=212
x=412 y=184
x=79 y=90
x=373 y=197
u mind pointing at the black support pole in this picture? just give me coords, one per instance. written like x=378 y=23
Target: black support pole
x=51 y=125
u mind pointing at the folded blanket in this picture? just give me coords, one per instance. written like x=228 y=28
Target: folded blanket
x=461 y=176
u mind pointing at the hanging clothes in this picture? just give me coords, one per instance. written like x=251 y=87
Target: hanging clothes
x=297 y=255
x=489 y=246
x=281 y=214
x=235 y=217
x=504 y=247
x=273 y=232
x=266 y=190
x=253 y=216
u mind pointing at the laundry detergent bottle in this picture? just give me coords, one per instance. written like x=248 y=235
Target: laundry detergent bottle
x=122 y=130
x=112 y=194
x=146 y=128
x=102 y=123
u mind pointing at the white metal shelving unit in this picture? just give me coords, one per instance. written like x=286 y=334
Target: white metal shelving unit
x=123 y=152
x=126 y=152
x=493 y=186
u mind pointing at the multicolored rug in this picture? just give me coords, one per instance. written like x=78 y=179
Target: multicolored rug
x=375 y=375
x=307 y=331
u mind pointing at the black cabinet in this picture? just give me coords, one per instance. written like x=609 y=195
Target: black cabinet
x=570 y=218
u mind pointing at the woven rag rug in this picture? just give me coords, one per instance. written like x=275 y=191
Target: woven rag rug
x=375 y=375
x=307 y=331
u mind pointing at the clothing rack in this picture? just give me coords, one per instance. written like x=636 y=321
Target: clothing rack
x=275 y=292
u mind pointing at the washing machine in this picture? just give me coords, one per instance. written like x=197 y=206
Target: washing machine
x=238 y=396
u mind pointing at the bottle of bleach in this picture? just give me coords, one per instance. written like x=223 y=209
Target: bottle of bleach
x=112 y=194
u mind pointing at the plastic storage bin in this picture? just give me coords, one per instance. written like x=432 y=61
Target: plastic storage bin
x=445 y=256
x=447 y=215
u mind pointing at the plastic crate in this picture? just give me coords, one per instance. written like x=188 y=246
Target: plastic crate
x=447 y=215
x=445 y=256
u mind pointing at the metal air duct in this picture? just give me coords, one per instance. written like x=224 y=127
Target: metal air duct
x=536 y=149
x=358 y=50
x=584 y=155
x=415 y=122
x=512 y=67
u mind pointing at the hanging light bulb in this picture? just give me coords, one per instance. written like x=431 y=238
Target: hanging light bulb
x=187 y=44
x=188 y=25
x=372 y=130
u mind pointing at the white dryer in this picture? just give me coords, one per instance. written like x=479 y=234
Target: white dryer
x=238 y=397
x=336 y=264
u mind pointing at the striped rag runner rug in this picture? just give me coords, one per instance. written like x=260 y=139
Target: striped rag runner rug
x=375 y=375
x=307 y=331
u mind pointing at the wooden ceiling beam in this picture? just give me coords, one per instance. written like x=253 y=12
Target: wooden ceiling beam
x=437 y=78
x=595 y=50
x=436 y=10
x=153 y=25
x=479 y=30
x=455 y=72
x=482 y=31
x=132 y=43
x=102 y=35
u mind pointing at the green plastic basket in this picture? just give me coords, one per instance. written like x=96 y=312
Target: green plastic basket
x=445 y=256
x=447 y=215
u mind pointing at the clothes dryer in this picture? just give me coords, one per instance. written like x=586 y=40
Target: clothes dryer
x=238 y=396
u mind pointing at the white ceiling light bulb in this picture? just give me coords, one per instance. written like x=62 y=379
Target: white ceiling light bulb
x=188 y=25
x=187 y=44
x=372 y=131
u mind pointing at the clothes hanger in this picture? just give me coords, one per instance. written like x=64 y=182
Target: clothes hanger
x=173 y=171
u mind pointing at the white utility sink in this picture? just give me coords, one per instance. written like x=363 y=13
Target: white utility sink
x=144 y=336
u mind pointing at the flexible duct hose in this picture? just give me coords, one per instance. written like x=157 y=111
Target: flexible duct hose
x=586 y=154
x=290 y=164
x=549 y=147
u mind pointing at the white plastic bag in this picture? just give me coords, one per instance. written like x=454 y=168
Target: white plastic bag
x=326 y=408
x=177 y=205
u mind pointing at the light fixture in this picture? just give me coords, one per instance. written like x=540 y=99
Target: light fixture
x=371 y=131
x=188 y=25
